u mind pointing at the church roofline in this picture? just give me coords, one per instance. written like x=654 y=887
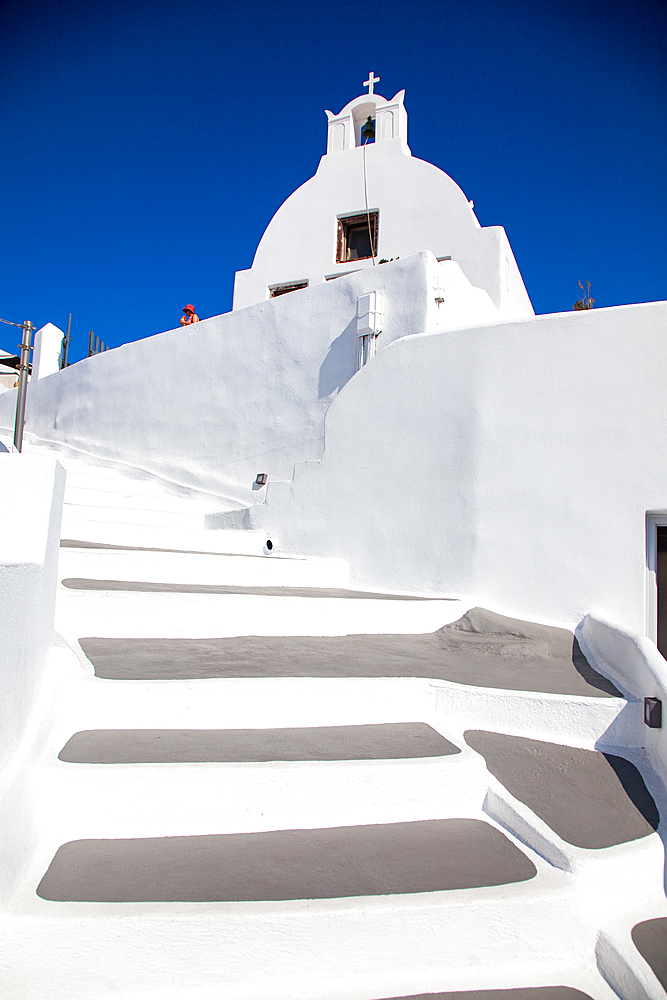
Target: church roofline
x=375 y=99
x=391 y=121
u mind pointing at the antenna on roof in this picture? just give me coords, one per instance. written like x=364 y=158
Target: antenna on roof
x=64 y=350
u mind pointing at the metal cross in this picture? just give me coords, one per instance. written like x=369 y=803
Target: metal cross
x=370 y=81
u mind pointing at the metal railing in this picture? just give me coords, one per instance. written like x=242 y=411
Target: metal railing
x=64 y=347
x=95 y=345
x=23 y=368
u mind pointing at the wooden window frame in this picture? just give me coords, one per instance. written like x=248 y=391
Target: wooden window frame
x=356 y=220
x=279 y=290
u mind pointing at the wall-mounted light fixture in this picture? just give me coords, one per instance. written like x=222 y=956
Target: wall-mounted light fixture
x=653 y=713
x=262 y=479
x=370 y=314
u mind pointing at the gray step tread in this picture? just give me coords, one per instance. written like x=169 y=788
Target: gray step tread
x=539 y=658
x=76 y=583
x=385 y=741
x=589 y=799
x=326 y=863
x=519 y=993
x=650 y=939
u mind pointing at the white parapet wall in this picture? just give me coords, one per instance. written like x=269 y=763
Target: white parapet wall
x=515 y=462
x=637 y=668
x=31 y=498
x=211 y=405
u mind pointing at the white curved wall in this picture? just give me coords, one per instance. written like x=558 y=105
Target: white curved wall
x=420 y=207
x=514 y=462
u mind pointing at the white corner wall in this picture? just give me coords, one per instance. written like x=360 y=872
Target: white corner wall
x=514 y=462
x=31 y=498
x=208 y=406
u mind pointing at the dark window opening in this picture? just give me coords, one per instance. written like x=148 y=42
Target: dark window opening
x=354 y=237
x=284 y=289
x=661 y=582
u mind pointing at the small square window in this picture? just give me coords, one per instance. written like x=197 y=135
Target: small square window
x=357 y=237
x=284 y=289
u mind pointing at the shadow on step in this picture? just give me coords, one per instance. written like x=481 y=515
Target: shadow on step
x=650 y=940
x=590 y=799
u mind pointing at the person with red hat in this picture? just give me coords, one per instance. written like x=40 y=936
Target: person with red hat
x=190 y=315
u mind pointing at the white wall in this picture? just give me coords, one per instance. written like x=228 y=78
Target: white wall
x=31 y=497
x=420 y=207
x=212 y=404
x=638 y=670
x=514 y=463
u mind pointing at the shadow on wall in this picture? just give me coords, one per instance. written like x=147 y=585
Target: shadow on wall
x=592 y=677
x=340 y=362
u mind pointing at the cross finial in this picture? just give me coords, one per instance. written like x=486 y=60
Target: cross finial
x=371 y=81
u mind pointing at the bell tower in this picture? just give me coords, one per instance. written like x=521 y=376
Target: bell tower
x=390 y=118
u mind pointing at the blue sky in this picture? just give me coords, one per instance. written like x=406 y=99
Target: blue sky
x=147 y=145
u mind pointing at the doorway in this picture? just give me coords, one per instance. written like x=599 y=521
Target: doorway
x=656 y=579
x=661 y=587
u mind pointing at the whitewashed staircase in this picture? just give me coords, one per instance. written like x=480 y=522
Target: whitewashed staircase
x=161 y=581
x=106 y=505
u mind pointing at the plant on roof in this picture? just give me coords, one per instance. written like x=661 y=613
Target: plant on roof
x=586 y=302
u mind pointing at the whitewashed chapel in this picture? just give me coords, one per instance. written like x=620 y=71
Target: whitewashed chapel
x=355 y=690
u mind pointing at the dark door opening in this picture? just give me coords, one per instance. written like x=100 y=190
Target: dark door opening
x=661 y=584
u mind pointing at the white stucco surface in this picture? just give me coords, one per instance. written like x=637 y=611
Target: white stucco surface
x=637 y=668
x=31 y=496
x=513 y=462
x=241 y=393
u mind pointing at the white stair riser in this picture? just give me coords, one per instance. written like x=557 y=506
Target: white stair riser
x=115 y=484
x=345 y=949
x=202 y=568
x=118 y=515
x=131 y=614
x=86 y=498
x=77 y=801
x=188 y=539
